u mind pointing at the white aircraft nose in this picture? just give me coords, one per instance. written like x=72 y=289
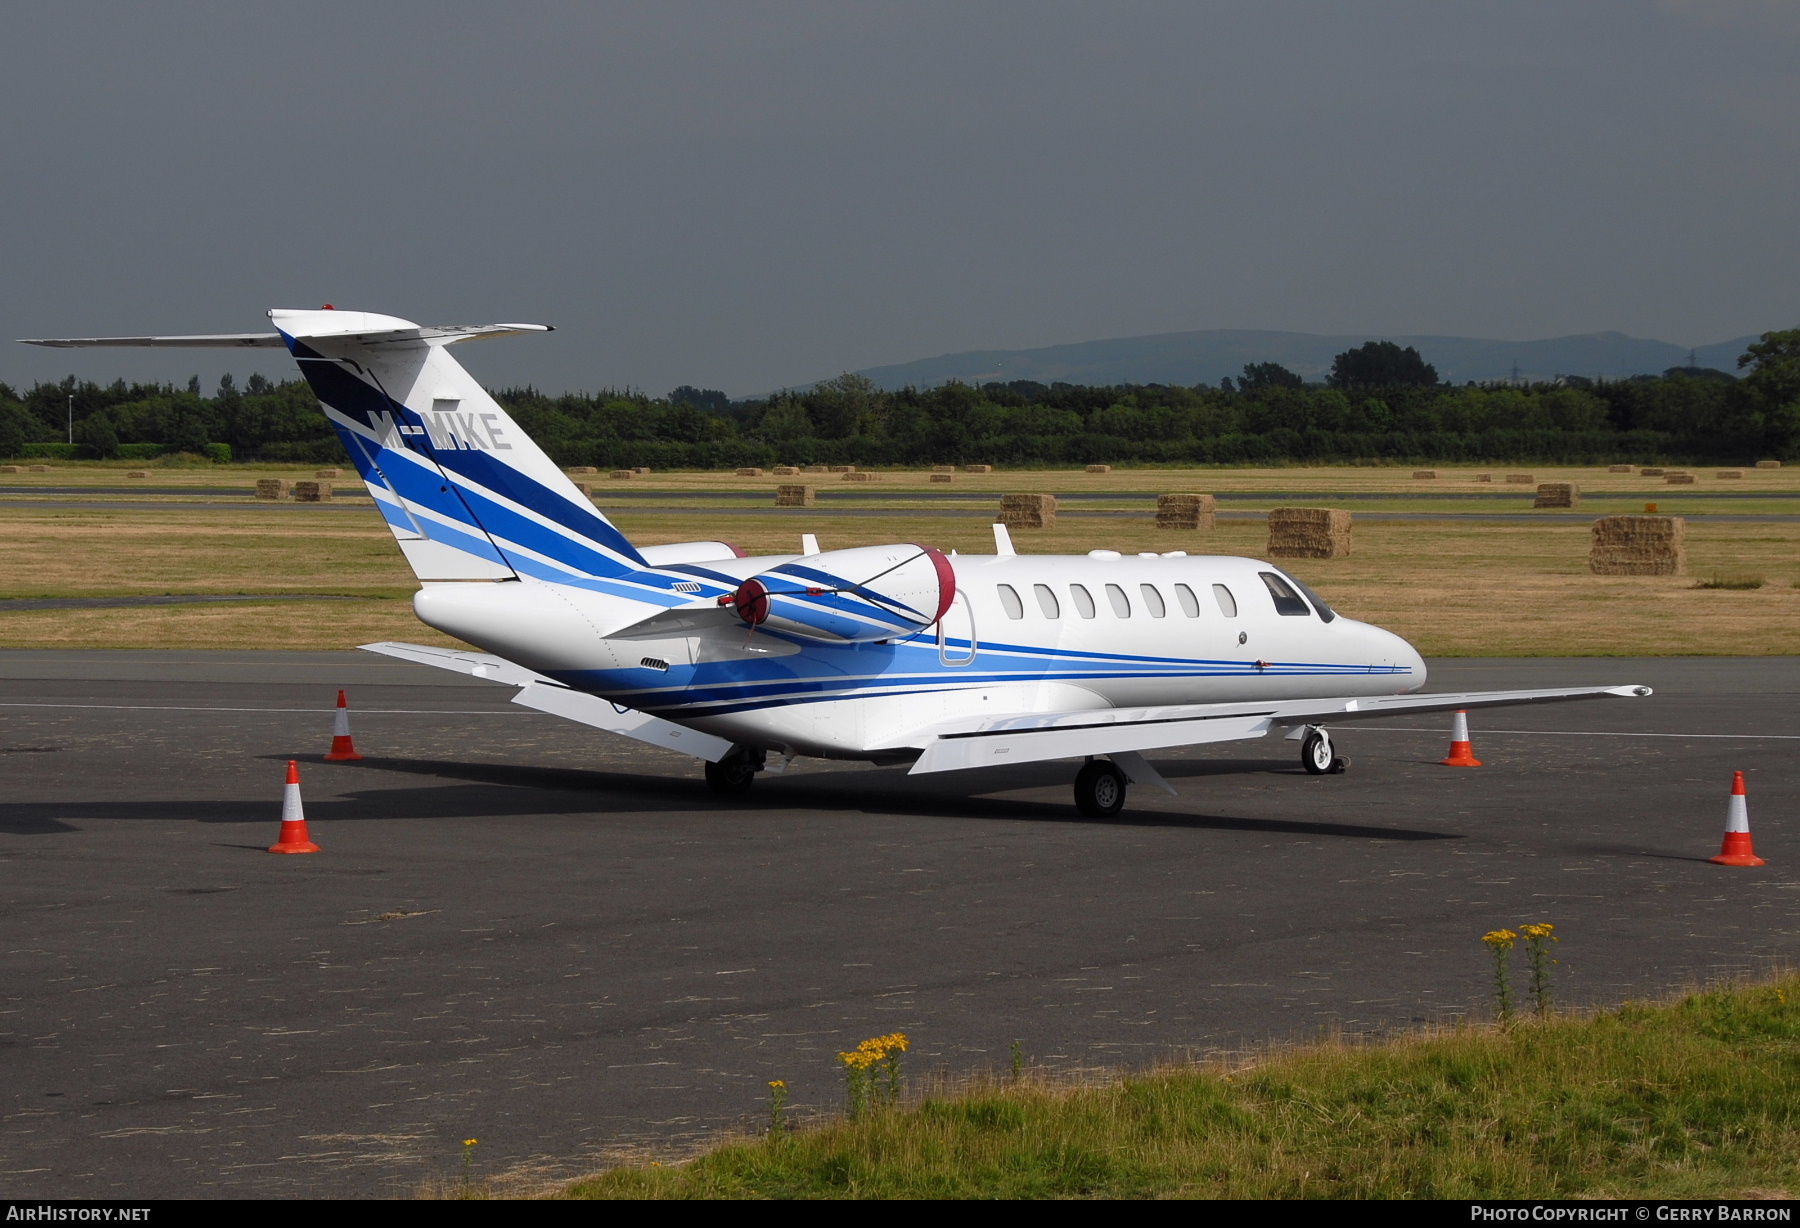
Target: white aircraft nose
x=1407 y=657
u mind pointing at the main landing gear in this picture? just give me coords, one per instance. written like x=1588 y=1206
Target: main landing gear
x=1316 y=754
x=1099 y=789
x=736 y=772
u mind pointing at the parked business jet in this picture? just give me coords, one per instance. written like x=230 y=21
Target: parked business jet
x=889 y=654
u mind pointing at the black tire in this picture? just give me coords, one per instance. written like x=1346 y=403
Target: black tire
x=732 y=775
x=1099 y=789
x=1315 y=752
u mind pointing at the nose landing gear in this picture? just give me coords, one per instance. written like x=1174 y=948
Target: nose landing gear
x=1316 y=754
x=1099 y=789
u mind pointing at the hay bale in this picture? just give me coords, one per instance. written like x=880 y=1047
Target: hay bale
x=40 y=469
x=793 y=496
x=1679 y=479
x=1650 y=473
x=1768 y=464
x=1420 y=475
x=641 y=470
x=329 y=473
x=817 y=469
x=854 y=476
x=622 y=475
x=943 y=468
x=1557 y=494
x=271 y=488
x=1731 y=475
x=1309 y=533
x=787 y=471
x=12 y=469
x=841 y=469
x=1520 y=479
x=1484 y=477
x=586 y=471
x=585 y=488
x=1028 y=511
x=137 y=473
x=1618 y=468
x=1639 y=546
x=1099 y=468
x=943 y=477
x=979 y=468
x=1186 y=512
x=312 y=492
x=749 y=472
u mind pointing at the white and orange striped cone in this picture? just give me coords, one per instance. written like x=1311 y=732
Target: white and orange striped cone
x=1736 y=850
x=293 y=818
x=1461 y=753
x=342 y=747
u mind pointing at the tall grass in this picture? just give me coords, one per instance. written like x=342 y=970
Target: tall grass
x=1698 y=1097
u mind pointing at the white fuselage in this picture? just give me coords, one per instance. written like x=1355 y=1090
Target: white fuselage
x=1073 y=633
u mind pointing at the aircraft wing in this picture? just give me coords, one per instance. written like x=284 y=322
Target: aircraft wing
x=548 y=695
x=1031 y=737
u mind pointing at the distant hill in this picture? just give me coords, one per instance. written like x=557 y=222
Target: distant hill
x=1206 y=357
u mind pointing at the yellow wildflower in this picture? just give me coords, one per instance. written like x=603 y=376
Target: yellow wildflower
x=470 y=1142
x=1500 y=940
x=1539 y=931
x=777 y=1083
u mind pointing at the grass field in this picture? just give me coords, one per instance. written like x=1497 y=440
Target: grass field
x=1695 y=1098
x=1454 y=587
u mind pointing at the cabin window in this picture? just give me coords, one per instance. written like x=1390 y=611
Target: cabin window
x=1190 y=604
x=1047 y=601
x=1084 y=600
x=1009 y=598
x=1121 y=604
x=1227 y=603
x=1152 y=600
x=1287 y=601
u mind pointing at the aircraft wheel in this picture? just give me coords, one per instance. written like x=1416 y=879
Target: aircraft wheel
x=1315 y=752
x=1099 y=789
x=735 y=773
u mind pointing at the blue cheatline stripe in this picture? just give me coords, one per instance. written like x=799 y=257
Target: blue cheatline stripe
x=776 y=681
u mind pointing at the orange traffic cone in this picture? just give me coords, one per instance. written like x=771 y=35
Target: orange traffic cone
x=341 y=746
x=1461 y=754
x=293 y=818
x=1736 y=850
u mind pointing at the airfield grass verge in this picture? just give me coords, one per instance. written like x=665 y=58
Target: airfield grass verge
x=1690 y=1098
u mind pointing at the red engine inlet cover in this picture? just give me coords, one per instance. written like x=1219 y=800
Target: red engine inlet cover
x=946 y=576
x=751 y=601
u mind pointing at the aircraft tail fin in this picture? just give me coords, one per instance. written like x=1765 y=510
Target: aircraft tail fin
x=466 y=492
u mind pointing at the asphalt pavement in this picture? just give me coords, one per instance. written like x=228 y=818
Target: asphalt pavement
x=561 y=944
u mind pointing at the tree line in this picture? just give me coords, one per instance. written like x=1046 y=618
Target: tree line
x=1380 y=403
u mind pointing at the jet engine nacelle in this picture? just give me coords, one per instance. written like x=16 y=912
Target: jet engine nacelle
x=846 y=596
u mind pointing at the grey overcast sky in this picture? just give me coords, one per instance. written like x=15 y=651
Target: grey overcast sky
x=745 y=196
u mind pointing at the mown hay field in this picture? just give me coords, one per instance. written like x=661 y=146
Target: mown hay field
x=1452 y=587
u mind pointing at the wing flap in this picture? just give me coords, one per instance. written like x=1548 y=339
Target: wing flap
x=1035 y=736
x=549 y=696
x=587 y=709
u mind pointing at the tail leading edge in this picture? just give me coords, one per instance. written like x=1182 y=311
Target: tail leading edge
x=466 y=492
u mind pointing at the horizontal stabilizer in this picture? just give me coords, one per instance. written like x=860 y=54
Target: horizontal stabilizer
x=1032 y=737
x=199 y=341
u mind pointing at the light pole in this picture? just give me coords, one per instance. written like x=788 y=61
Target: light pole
x=71 y=417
